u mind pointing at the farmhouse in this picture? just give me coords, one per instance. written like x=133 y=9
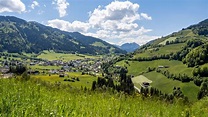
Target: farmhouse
x=145 y=84
x=4 y=70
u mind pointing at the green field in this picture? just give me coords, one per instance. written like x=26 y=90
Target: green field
x=138 y=80
x=159 y=81
x=182 y=35
x=99 y=44
x=61 y=56
x=34 y=99
x=172 y=48
x=169 y=39
x=40 y=67
x=85 y=80
x=136 y=68
x=166 y=85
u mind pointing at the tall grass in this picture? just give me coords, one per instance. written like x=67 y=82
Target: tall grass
x=36 y=98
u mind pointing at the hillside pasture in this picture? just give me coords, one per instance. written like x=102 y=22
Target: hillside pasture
x=172 y=48
x=138 y=80
x=85 y=80
x=137 y=68
x=166 y=85
x=62 y=56
x=170 y=39
x=99 y=44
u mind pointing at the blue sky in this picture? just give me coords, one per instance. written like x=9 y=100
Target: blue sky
x=116 y=22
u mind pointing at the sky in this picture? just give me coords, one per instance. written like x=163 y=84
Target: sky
x=114 y=21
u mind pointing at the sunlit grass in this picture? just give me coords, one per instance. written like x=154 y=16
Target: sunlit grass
x=19 y=98
x=84 y=80
x=61 y=56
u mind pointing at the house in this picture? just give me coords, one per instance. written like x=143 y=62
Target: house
x=9 y=75
x=4 y=70
x=145 y=84
x=61 y=75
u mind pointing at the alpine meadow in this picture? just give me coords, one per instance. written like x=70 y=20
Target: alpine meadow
x=122 y=58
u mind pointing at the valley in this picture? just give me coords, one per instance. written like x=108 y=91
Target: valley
x=86 y=76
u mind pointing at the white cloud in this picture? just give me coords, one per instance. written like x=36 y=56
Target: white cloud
x=12 y=6
x=67 y=26
x=120 y=21
x=114 y=14
x=117 y=23
x=145 y=16
x=61 y=7
x=34 y=4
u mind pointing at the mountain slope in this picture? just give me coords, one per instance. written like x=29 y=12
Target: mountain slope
x=180 y=46
x=177 y=60
x=17 y=35
x=129 y=47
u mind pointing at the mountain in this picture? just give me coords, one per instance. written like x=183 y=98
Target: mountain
x=189 y=45
x=192 y=33
x=129 y=47
x=18 y=35
x=173 y=62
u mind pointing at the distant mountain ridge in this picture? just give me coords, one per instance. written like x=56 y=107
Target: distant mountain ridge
x=129 y=47
x=18 y=35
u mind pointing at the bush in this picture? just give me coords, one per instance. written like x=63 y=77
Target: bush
x=25 y=76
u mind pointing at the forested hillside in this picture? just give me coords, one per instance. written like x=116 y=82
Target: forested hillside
x=17 y=35
x=177 y=60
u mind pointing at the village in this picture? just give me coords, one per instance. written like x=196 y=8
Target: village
x=90 y=66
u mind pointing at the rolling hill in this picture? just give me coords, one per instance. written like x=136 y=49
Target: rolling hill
x=176 y=60
x=18 y=35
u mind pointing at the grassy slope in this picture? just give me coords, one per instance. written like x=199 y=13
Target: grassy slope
x=162 y=50
x=183 y=35
x=85 y=80
x=29 y=99
x=169 y=39
x=160 y=81
x=138 y=80
x=136 y=68
x=99 y=44
x=166 y=85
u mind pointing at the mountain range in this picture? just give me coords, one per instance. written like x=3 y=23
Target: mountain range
x=129 y=47
x=18 y=35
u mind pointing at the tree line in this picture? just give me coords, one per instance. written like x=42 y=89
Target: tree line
x=125 y=83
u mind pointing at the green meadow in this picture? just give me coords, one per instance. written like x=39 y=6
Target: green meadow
x=162 y=50
x=61 y=56
x=35 y=98
x=166 y=85
x=169 y=40
x=160 y=81
x=136 y=68
x=138 y=80
x=84 y=80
